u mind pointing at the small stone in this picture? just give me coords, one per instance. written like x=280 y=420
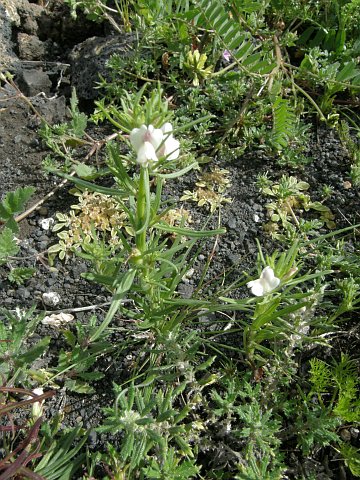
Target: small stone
x=23 y=293
x=34 y=81
x=46 y=224
x=186 y=290
x=43 y=211
x=30 y=47
x=345 y=434
x=51 y=299
x=347 y=185
x=232 y=223
x=57 y=319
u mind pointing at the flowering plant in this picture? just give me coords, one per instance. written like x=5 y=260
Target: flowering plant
x=152 y=143
x=265 y=284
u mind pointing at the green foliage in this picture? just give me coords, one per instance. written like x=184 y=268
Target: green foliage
x=172 y=468
x=351 y=456
x=8 y=246
x=165 y=424
x=290 y=200
x=21 y=274
x=78 y=121
x=315 y=428
x=13 y=203
x=341 y=380
x=63 y=138
x=232 y=37
x=352 y=147
x=77 y=364
x=151 y=423
x=284 y=123
x=16 y=352
x=62 y=458
x=135 y=109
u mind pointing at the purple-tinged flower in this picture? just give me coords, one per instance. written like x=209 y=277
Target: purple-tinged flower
x=226 y=55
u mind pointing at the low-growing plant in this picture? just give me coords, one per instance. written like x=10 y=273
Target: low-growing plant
x=20 y=441
x=17 y=354
x=210 y=191
x=12 y=204
x=285 y=212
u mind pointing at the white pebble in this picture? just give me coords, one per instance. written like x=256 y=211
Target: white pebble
x=47 y=223
x=51 y=299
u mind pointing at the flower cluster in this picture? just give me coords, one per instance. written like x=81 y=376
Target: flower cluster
x=265 y=284
x=152 y=143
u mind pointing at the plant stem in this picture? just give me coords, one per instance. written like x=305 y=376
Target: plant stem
x=140 y=236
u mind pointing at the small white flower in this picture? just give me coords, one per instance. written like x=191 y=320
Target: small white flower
x=265 y=284
x=151 y=143
x=37 y=407
x=138 y=136
x=170 y=147
x=146 y=154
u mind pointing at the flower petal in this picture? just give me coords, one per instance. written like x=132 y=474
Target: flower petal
x=256 y=287
x=269 y=280
x=137 y=137
x=167 y=128
x=156 y=136
x=171 y=148
x=145 y=154
x=265 y=284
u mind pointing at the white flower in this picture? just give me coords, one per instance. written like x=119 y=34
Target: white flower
x=37 y=407
x=146 y=154
x=151 y=143
x=170 y=147
x=265 y=284
x=146 y=140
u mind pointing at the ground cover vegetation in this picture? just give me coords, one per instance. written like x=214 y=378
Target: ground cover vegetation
x=233 y=382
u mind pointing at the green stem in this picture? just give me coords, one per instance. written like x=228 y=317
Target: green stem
x=141 y=210
x=311 y=100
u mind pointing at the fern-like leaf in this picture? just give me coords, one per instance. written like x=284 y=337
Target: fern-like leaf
x=284 y=123
x=320 y=376
x=351 y=457
x=238 y=42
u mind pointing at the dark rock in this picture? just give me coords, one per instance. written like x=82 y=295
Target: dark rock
x=89 y=60
x=52 y=109
x=9 y=17
x=23 y=293
x=30 y=47
x=34 y=81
